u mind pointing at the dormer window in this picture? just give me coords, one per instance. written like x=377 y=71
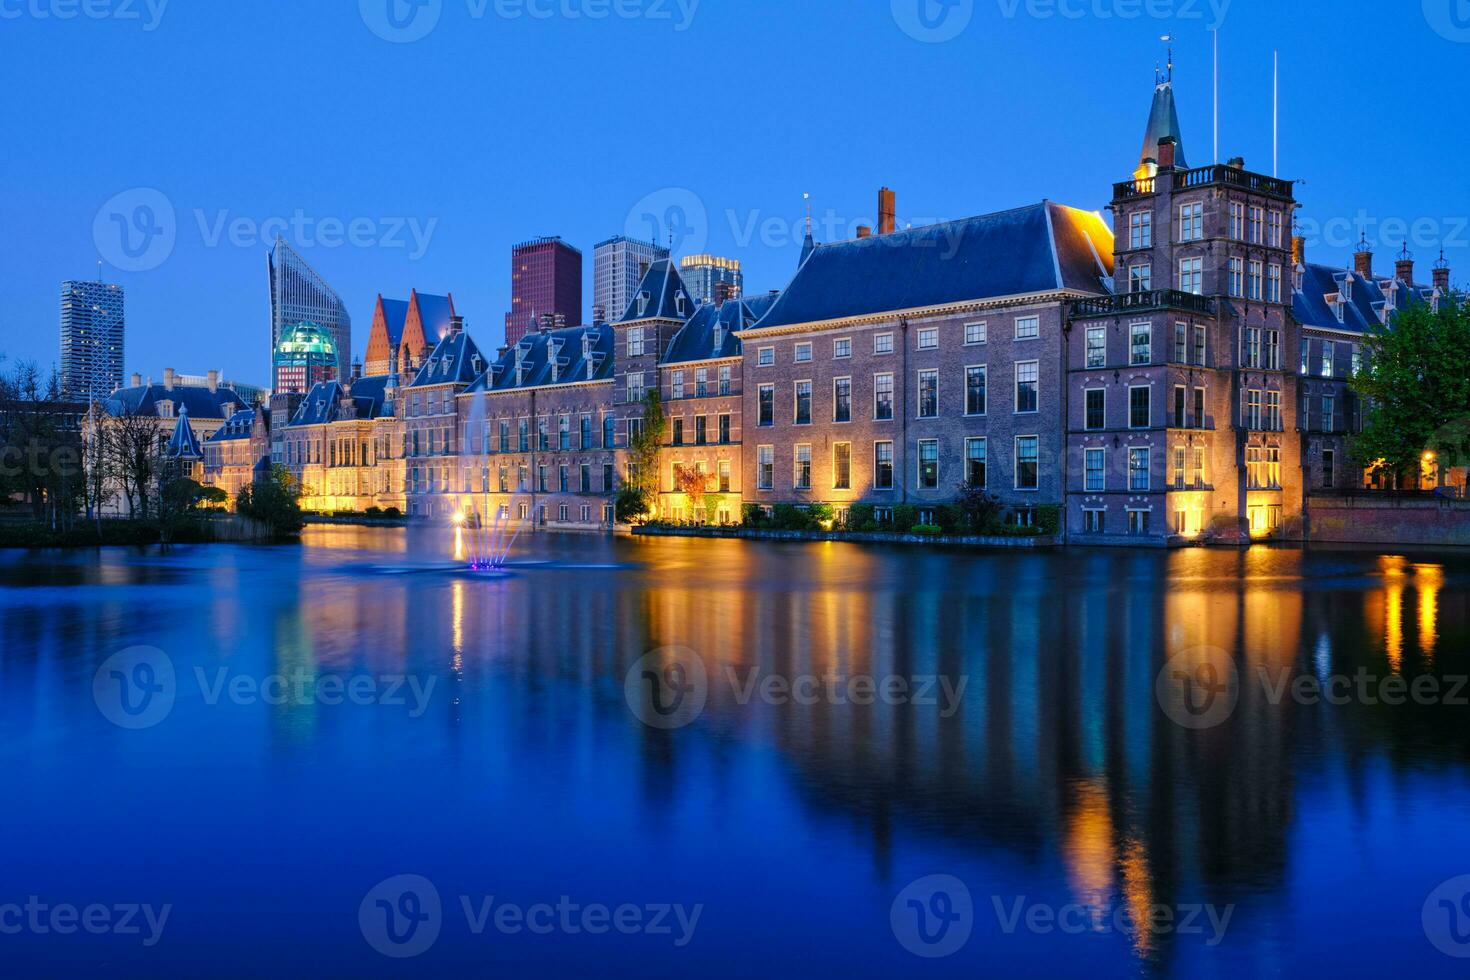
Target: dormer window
x=679 y=302
x=643 y=299
x=1334 y=301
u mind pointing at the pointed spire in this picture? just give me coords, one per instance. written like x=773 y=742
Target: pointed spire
x=808 y=245
x=1163 y=119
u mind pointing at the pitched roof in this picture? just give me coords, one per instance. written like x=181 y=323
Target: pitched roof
x=321 y=402
x=183 y=444
x=553 y=357
x=1364 y=301
x=454 y=360
x=435 y=312
x=196 y=400
x=237 y=426
x=711 y=332
x=395 y=311
x=660 y=296
x=1033 y=249
x=1163 y=120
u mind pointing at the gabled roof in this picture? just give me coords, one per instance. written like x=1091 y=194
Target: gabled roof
x=711 y=332
x=321 y=402
x=237 y=426
x=660 y=296
x=394 y=311
x=1033 y=249
x=435 y=312
x=196 y=400
x=1163 y=120
x=1363 y=299
x=553 y=357
x=183 y=444
x=454 y=360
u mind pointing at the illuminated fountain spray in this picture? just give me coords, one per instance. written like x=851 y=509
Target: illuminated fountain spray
x=489 y=539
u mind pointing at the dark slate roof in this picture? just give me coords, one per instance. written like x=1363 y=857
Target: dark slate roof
x=1032 y=249
x=197 y=401
x=435 y=312
x=454 y=360
x=183 y=444
x=573 y=349
x=711 y=332
x=1163 y=120
x=1364 y=300
x=320 y=403
x=660 y=293
x=237 y=426
x=395 y=311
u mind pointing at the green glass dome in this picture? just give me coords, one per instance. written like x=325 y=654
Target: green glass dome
x=307 y=338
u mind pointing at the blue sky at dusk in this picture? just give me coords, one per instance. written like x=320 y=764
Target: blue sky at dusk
x=421 y=162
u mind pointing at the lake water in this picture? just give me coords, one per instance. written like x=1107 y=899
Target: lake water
x=1014 y=792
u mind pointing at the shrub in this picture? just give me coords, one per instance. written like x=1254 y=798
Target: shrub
x=373 y=512
x=820 y=514
x=1048 y=519
x=392 y=512
x=859 y=516
x=753 y=515
x=948 y=518
x=905 y=516
x=979 y=511
x=789 y=517
x=631 y=506
x=925 y=529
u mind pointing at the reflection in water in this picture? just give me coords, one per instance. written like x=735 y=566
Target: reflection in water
x=1041 y=766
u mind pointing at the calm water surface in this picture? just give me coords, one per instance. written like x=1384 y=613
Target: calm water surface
x=516 y=768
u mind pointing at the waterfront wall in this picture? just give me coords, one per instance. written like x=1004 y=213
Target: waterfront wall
x=1389 y=519
x=865 y=537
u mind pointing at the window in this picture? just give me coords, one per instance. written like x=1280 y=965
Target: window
x=1141 y=343
x=1272 y=358
x=585 y=432
x=1273 y=467
x=928 y=338
x=584 y=482
x=723 y=422
x=1180 y=456
x=1329 y=355
x=723 y=475
x=607 y=478
x=1180 y=400
x=976 y=395
x=1138 y=468
x=1199 y=408
x=701 y=383
x=765 y=467
x=883 y=465
x=635 y=388
x=1199 y=466
x=842 y=347
x=975 y=452
x=1199 y=346
x=1191 y=276
x=1306 y=360
x=882 y=343
x=1028 y=475
x=1253 y=280
x=1236 y=282
x=1329 y=410
x=523 y=435
x=928 y=394
x=1237 y=221
x=1140 y=278
x=766 y=356
x=1253 y=225
x=564 y=433
x=725 y=379
x=1191 y=222
x=882 y=397
x=976 y=333
x=676 y=385
x=1329 y=461
x=701 y=430
x=1251 y=355
x=1095 y=466
x=1273 y=229
x=1097 y=347
x=1092 y=521
x=1139 y=407
x=1026 y=385
x=802 y=414
x=1252 y=420
x=1273 y=411
x=1028 y=327
x=1095 y=415
x=928 y=464
x=765 y=405
x=678 y=431
x=842 y=466
x=1273 y=283
x=609 y=432
x=801 y=477
x=635 y=342
x=803 y=352
x=1181 y=343
x=842 y=400
x=562 y=483
x=1141 y=229
x=1357 y=361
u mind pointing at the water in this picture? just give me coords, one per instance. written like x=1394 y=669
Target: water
x=518 y=769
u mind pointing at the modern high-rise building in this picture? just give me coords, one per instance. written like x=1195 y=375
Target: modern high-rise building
x=545 y=279
x=91 y=339
x=618 y=266
x=305 y=355
x=299 y=294
x=711 y=279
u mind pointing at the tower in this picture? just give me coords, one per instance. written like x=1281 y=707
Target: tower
x=298 y=293
x=91 y=339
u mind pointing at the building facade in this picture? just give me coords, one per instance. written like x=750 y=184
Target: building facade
x=411 y=327
x=711 y=279
x=305 y=356
x=92 y=334
x=299 y=294
x=545 y=281
x=618 y=266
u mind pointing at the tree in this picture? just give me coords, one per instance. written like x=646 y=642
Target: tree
x=273 y=500
x=136 y=447
x=41 y=453
x=640 y=494
x=1416 y=388
x=692 y=483
x=978 y=509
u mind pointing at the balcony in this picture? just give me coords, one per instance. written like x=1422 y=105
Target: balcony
x=1134 y=188
x=1204 y=176
x=1141 y=302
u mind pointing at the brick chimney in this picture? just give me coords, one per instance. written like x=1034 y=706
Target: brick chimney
x=1403 y=268
x=1442 y=274
x=212 y=379
x=887 y=211
x=137 y=380
x=168 y=379
x=1363 y=259
x=863 y=231
x=1166 y=153
x=456 y=325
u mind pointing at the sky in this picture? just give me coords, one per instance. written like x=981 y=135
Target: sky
x=411 y=143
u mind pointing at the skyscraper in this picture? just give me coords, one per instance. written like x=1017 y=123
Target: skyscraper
x=618 y=265
x=298 y=294
x=545 y=278
x=711 y=279
x=305 y=356
x=91 y=339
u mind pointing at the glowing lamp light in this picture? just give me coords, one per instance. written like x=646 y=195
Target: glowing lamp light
x=458 y=518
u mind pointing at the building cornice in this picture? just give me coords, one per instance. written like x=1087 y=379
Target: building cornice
x=919 y=312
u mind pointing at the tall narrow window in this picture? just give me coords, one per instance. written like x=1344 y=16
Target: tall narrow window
x=882 y=397
x=842 y=466
x=883 y=465
x=1028 y=471
x=975 y=390
x=842 y=400
x=928 y=464
x=928 y=394
x=975 y=460
x=1026 y=386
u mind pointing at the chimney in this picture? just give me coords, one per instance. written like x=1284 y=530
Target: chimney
x=1298 y=250
x=1442 y=274
x=168 y=379
x=1166 y=153
x=1363 y=259
x=212 y=379
x=887 y=211
x=1404 y=268
x=599 y=314
x=864 y=231
x=1236 y=163
x=545 y=323
x=456 y=325
x=356 y=371
x=137 y=380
